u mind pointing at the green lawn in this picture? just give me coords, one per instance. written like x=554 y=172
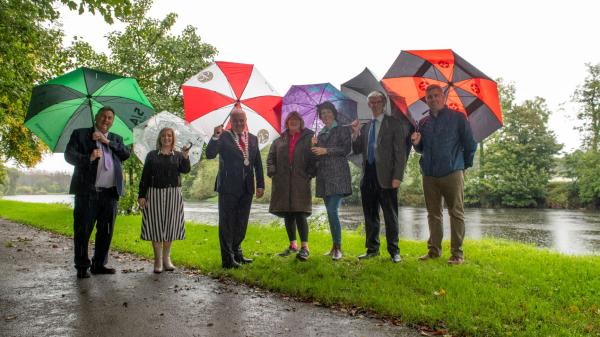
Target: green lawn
x=503 y=289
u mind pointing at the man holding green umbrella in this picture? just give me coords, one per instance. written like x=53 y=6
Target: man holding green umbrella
x=97 y=184
x=61 y=114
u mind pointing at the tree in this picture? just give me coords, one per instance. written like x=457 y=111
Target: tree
x=160 y=61
x=31 y=53
x=520 y=157
x=588 y=97
x=147 y=51
x=584 y=168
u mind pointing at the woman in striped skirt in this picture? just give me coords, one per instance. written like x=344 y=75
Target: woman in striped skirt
x=160 y=197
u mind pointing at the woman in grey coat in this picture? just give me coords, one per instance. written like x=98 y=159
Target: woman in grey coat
x=291 y=166
x=333 y=172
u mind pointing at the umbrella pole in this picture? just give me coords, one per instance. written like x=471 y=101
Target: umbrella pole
x=89 y=99
x=225 y=120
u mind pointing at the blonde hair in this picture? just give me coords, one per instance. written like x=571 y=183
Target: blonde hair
x=161 y=133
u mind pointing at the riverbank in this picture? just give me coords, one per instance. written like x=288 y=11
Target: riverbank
x=504 y=288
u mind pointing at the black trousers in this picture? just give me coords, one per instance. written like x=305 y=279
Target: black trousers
x=233 y=221
x=373 y=197
x=99 y=209
x=293 y=220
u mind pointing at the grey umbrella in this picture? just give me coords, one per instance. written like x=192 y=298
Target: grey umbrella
x=359 y=87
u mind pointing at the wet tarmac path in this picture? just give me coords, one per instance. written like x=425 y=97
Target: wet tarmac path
x=40 y=296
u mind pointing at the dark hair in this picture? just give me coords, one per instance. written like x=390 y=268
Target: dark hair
x=105 y=108
x=327 y=105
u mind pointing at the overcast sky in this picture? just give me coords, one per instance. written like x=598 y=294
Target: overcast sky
x=540 y=46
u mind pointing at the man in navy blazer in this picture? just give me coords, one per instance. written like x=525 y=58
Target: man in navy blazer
x=239 y=164
x=97 y=183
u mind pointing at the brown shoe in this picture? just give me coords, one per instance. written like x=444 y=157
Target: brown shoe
x=428 y=256
x=455 y=260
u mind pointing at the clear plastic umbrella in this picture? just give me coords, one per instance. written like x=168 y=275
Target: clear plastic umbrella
x=145 y=135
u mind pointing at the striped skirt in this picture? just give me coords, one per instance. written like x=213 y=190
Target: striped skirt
x=162 y=218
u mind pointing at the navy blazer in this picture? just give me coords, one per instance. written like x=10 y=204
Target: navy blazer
x=234 y=177
x=78 y=153
x=447 y=143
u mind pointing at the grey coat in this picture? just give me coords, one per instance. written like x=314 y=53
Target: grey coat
x=333 y=171
x=391 y=153
x=291 y=190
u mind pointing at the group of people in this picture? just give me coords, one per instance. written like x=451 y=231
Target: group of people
x=443 y=138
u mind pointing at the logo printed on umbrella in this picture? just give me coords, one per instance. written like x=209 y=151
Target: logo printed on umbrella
x=263 y=136
x=453 y=106
x=205 y=76
x=423 y=85
x=475 y=88
x=134 y=119
x=444 y=64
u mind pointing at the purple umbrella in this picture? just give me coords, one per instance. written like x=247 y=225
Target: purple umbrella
x=305 y=98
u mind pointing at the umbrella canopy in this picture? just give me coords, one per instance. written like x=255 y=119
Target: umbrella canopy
x=71 y=101
x=146 y=134
x=305 y=98
x=359 y=87
x=209 y=97
x=467 y=89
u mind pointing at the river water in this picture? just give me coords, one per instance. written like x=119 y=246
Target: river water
x=566 y=231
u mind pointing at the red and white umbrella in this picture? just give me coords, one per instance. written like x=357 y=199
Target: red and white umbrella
x=209 y=96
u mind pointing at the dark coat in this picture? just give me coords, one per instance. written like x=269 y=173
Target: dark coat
x=162 y=171
x=291 y=190
x=391 y=153
x=234 y=177
x=447 y=143
x=78 y=153
x=333 y=171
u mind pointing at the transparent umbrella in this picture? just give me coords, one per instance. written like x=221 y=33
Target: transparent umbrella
x=145 y=135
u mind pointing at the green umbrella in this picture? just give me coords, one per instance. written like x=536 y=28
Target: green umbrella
x=71 y=101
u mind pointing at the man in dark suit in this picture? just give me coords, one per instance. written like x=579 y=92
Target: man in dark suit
x=239 y=162
x=97 y=183
x=382 y=142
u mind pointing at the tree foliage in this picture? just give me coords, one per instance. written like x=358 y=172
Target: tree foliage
x=520 y=156
x=31 y=53
x=160 y=61
x=148 y=51
x=588 y=97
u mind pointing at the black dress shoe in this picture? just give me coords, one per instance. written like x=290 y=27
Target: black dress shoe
x=396 y=258
x=232 y=265
x=243 y=260
x=368 y=255
x=102 y=270
x=83 y=273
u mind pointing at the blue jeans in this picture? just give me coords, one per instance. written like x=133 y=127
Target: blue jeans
x=332 y=204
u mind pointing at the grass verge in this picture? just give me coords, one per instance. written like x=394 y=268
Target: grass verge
x=503 y=289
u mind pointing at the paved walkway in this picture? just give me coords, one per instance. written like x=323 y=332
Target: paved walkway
x=40 y=296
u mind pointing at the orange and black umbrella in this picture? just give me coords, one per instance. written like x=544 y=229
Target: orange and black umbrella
x=467 y=89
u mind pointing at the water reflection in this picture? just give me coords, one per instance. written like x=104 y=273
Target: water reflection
x=566 y=231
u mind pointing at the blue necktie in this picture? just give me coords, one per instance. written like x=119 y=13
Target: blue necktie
x=371 y=146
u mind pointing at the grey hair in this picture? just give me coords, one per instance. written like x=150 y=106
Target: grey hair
x=377 y=93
